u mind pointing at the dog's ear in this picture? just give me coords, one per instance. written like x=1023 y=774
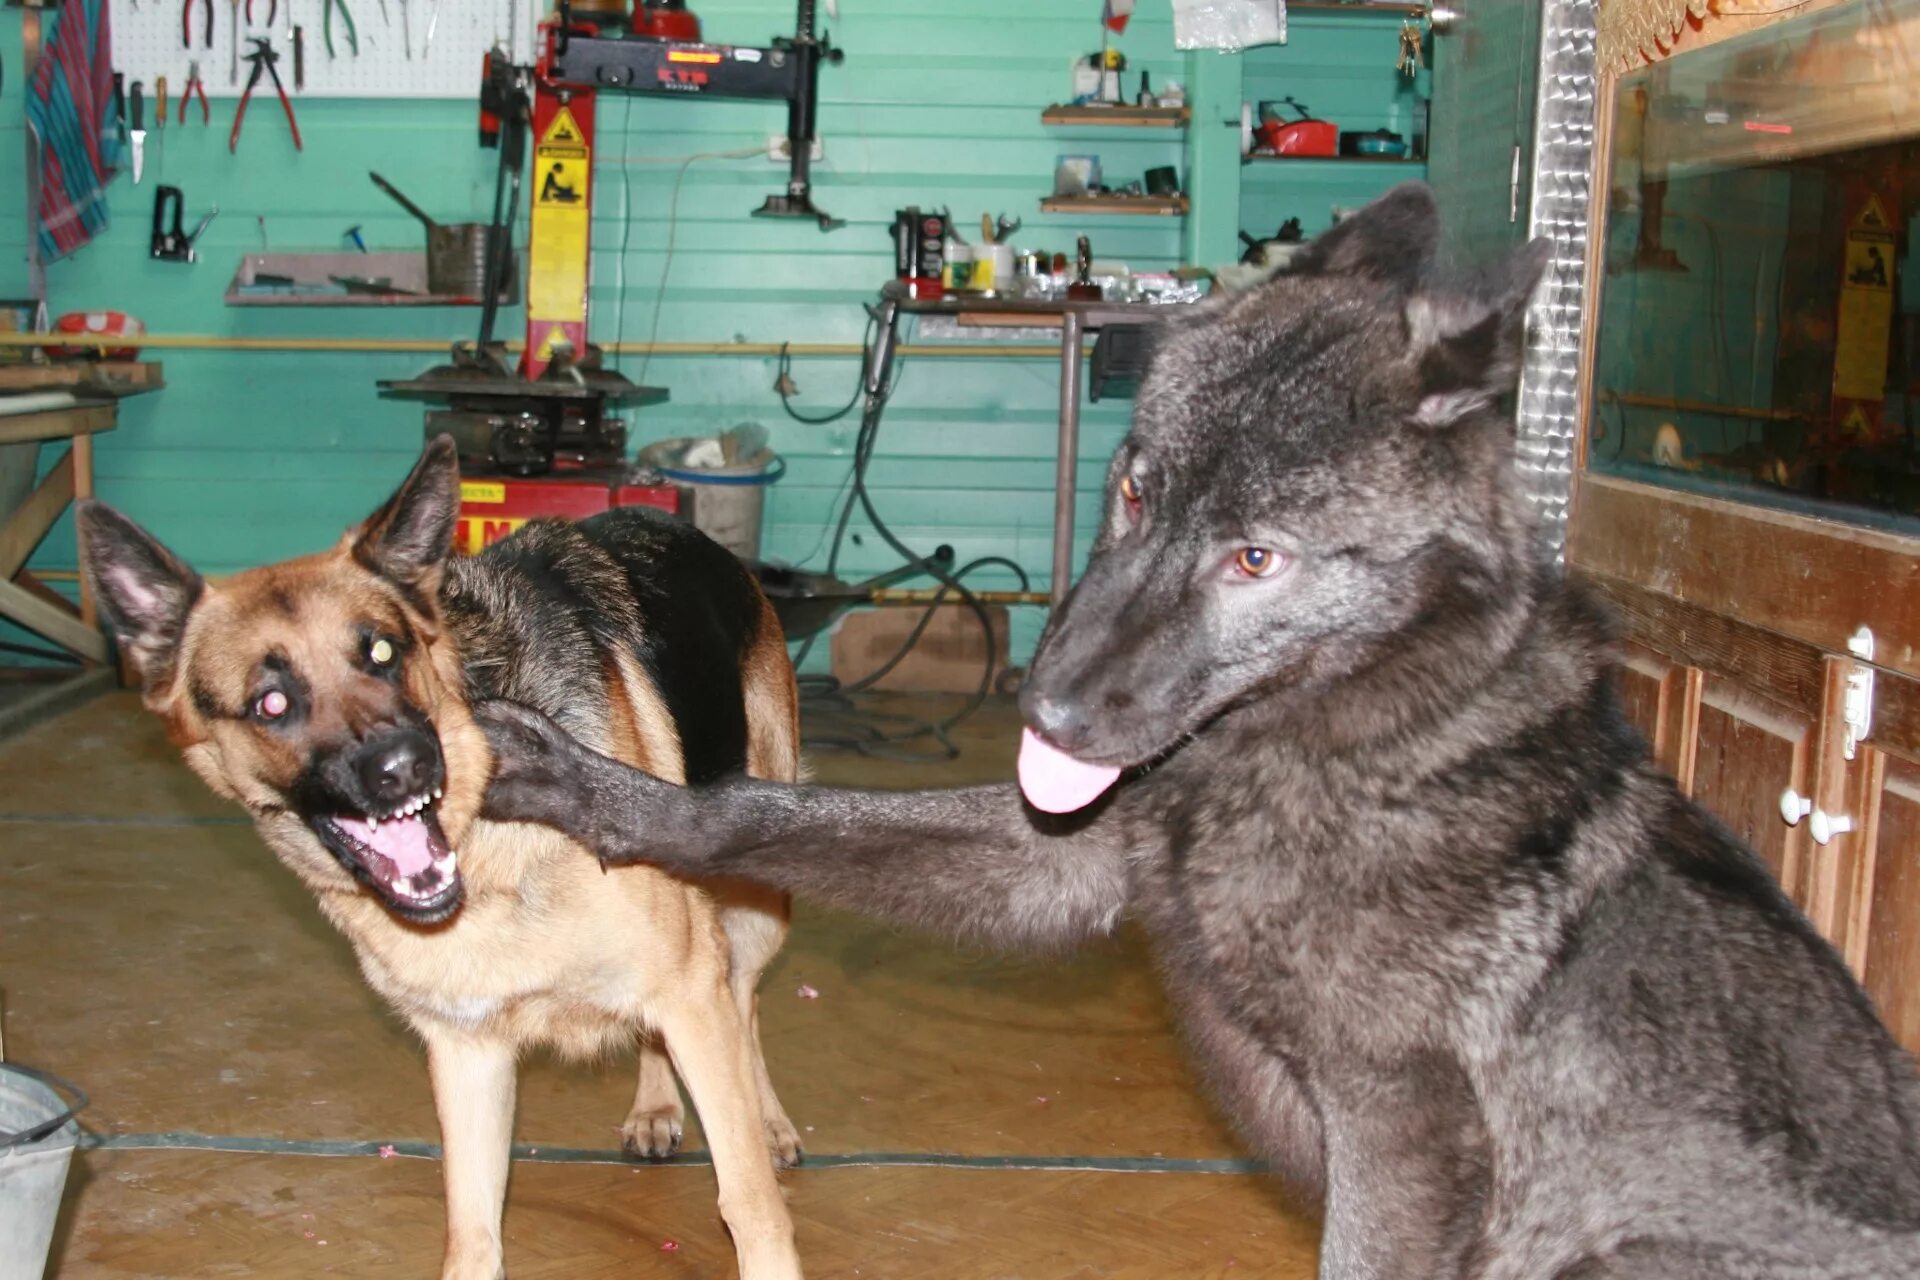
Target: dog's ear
x=408 y=540
x=1467 y=345
x=144 y=591
x=1392 y=240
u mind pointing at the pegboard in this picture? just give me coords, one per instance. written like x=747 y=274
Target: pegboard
x=146 y=45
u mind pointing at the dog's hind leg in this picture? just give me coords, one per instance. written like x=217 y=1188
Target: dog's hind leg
x=654 y=1126
x=712 y=1053
x=473 y=1092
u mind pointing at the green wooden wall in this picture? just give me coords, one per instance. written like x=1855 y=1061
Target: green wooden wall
x=248 y=457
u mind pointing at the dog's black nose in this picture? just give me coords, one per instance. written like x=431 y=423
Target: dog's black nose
x=1062 y=723
x=397 y=767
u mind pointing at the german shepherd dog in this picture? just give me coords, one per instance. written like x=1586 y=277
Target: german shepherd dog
x=330 y=696
x=1447 y=946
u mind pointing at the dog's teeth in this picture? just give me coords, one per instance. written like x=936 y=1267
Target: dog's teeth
x=438 y=792
x=373 y=823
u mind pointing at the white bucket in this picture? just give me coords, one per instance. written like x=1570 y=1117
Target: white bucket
x=37 y=1137
x=728 y=502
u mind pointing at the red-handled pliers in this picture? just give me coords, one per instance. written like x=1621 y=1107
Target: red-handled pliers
x=195 y=85
x=186 y=24
x=263 y=57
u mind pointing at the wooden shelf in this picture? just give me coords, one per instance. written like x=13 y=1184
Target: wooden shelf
x=1119 y=116
x=1161 y=206
x=1411 y=10
x=1269 y=157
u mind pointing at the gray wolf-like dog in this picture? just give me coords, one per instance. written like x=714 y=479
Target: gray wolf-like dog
x=1446 y=946
x=330 y=696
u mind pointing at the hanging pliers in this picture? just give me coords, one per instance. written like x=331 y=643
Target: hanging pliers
x=326 y=25
x=186 y=24
x=195 y=85
x=273 y=8
x=263 y=57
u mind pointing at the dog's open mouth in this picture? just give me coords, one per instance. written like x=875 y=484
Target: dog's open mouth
x=403 y=857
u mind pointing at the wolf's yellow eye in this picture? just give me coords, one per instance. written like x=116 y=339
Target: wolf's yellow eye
x=381 y=651
x=1257 y=562
x=1130 y=490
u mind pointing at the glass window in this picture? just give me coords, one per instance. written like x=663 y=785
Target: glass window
x=1759 y=312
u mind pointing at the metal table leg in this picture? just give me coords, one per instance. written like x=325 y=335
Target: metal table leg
x=1069 y=455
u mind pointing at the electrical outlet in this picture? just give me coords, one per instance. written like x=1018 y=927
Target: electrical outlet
x=780 y=148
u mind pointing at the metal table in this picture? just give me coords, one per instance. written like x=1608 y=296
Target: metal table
x=1075 y=320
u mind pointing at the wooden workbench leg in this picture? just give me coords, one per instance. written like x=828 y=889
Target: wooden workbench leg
x=1069 y=456
x=83 y=488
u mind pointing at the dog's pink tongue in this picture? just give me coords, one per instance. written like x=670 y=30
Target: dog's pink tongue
x=1054 y=781
x=401 y=841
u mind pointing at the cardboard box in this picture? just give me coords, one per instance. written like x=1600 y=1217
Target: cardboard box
x=493 y=507
x=947 y=659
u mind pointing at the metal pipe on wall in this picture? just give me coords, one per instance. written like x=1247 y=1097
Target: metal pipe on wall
x=217 y=342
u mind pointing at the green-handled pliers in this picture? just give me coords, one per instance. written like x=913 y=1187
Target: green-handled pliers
x=326 y=25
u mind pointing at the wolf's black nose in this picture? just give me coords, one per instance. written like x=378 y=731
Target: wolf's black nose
x=1063 y=724
x=398 y=767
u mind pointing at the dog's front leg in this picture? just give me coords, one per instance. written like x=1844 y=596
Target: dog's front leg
x=974 y=863
x=708 y=1043
x=1407 y=1172
x=473 y=1092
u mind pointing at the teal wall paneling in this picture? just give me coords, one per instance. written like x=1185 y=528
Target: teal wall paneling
x=248 y=457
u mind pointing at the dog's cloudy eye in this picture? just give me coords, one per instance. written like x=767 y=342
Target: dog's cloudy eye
x=1257 y=562
x=380 y=651
x=271 y=705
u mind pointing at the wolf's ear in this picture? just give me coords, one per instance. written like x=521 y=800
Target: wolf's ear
x=144 y=590
x=409 y=539
x=1468 y=345
x=1392 y=240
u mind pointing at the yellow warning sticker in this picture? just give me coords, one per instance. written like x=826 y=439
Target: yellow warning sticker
x=559 y=181
x=1856 y=426
x=555 y=336
x=482 y=491
x=1869 y=263
x=563 y=136
x=1872 y=215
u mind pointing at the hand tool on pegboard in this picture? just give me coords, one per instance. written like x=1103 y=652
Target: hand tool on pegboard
x=170 y=243
x=299 y=58
x=233 y=42
x=195 y=85
x=160 y=122
x=186 y=24
x=138 y=132
x=263 y=57
x=273 y=10
x=326 y=25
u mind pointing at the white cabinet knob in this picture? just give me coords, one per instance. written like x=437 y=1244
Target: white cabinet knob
x=1793 y=807
x=1825 y=826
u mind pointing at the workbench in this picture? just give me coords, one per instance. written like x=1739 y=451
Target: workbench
x=1075 y=319
x=59 y=402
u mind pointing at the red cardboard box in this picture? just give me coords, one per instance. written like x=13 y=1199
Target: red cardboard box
x=490 y=509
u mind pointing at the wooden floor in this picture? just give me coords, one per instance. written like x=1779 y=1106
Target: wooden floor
x=968 y=1115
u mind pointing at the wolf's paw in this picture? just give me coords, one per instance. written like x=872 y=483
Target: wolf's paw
x=783 y=1140
x=652 y=1135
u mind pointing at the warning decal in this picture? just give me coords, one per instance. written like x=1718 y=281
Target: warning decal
x=557 y=246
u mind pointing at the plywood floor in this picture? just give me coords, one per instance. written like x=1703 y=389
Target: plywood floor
x=969 y=1115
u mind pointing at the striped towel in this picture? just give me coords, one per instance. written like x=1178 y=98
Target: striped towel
x=70 y=110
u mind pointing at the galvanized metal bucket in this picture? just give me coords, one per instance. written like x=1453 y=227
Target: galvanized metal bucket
x=37 y=1138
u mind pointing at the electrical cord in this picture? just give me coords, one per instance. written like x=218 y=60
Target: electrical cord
x=863 y=729
x=785 y=367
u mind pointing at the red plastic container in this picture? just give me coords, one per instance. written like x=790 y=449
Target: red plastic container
x=492 y=508
x=1301 y=137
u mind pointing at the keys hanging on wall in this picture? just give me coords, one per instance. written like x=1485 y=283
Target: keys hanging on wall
x=1412 y=53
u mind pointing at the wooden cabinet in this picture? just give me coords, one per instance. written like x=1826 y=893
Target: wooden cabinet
x=1742 y=714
